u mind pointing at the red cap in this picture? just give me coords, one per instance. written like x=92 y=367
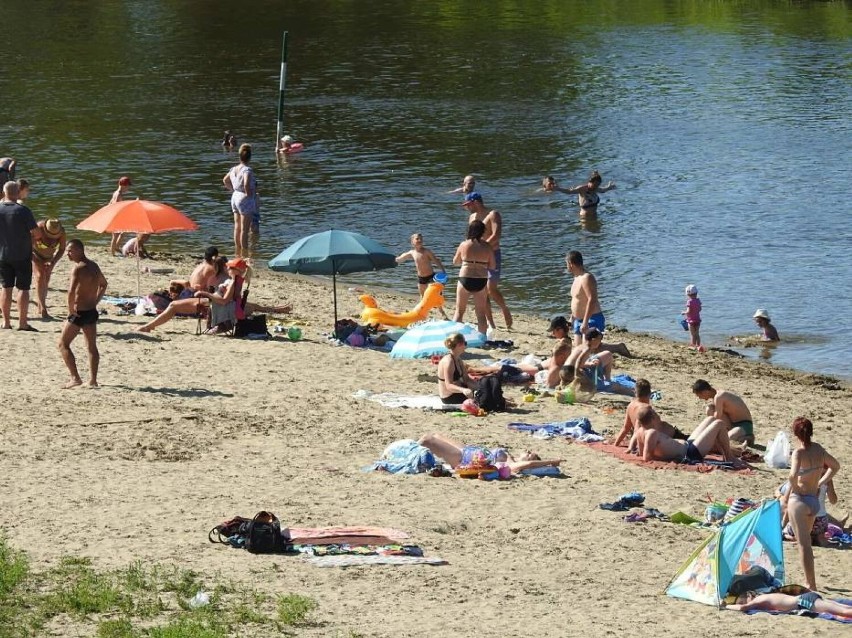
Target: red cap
x=238 y=263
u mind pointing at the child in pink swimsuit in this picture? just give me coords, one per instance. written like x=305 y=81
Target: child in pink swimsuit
x=693 y=316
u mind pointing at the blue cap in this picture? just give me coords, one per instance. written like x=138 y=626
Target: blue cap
x=472 y=197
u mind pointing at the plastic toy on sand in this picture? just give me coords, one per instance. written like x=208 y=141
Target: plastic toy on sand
x=294 y=333
x=433 y=297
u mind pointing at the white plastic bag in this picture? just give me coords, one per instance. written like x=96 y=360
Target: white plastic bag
x=778 y=452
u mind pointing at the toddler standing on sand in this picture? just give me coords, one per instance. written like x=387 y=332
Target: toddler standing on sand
x=423 y=260
x=692 y=313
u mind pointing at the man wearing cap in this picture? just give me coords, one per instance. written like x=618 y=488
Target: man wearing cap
x=124 y=184
x=761 y=318
x=493 y=230
x=85 y=291
x=18 y=228
x=47 y=250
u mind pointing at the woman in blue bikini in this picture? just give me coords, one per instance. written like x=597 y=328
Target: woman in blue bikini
x=811 y=468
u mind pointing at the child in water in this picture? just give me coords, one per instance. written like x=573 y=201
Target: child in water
x=229 y=140
x=423 y=260
x=692 y=313
x=548 y=184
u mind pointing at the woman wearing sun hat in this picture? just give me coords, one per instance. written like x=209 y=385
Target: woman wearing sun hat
x=761 y=318
x=47 y=250
x=226 y=303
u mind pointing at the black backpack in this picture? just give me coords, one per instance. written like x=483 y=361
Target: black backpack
x=489 y=394
x=263 y=534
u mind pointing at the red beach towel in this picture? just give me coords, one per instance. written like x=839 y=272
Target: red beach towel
x=739 y=466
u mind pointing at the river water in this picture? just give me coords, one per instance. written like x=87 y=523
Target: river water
x=725 y=125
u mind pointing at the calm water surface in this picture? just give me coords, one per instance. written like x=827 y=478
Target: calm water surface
x=725 y=125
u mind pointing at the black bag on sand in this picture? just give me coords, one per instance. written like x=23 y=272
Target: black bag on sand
x=263 y=534
x=256 y=324
x=226 y=529
x=489 y=394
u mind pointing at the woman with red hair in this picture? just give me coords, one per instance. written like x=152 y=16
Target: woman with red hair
x=811 y=468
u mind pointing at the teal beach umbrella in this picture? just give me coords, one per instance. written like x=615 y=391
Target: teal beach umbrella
x=333 y=252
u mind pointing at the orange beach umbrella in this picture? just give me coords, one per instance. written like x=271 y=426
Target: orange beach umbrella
x=137 y=216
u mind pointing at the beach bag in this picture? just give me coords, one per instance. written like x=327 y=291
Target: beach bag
x=233 y=527
x=489 y=394
x=778 y=452
x=254 y=325
x=263 y=534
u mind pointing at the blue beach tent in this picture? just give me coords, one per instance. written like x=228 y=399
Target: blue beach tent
x=752 y=538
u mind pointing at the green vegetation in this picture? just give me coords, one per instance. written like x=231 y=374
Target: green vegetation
x=138 y=601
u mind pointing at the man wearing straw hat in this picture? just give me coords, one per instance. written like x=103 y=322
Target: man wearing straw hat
x=47 y=250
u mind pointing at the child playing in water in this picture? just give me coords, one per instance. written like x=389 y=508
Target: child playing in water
x=423 y=260
x=692 y=313
x=548 y=184
x=137 y=244
x=285 y=144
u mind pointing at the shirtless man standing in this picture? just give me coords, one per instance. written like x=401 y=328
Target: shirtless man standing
x=493 y=230
x=726 y=407
x=654 y=445
x=87 y=287
x=585 y=307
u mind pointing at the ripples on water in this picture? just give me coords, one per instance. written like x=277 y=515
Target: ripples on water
x=729 y=142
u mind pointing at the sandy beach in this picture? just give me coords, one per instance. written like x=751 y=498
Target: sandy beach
x=189 y=430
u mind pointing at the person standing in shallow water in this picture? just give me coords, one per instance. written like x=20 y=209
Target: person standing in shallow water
x=242 y=184
x=588 y=194
x=493 y=222
x=85 y=291
x=124 y=185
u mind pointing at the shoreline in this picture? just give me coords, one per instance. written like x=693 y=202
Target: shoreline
x=189 y=430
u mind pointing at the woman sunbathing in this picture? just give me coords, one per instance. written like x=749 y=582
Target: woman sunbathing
x=228 y=297
x=457 y=454
x=809 y=601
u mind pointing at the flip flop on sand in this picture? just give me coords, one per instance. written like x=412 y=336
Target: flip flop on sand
x=28 y=328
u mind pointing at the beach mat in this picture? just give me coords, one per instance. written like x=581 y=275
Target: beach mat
x=393 y=400
x=840 y=619
x=356 y=561
x=712 y=461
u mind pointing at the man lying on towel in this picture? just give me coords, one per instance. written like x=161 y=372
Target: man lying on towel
x=654 y=445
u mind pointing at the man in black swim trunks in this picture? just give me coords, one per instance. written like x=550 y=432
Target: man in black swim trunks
x=654 y=445
x=85 y=291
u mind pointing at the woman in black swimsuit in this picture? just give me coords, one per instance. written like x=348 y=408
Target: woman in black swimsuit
x=588 y=194
x=454 y=385
x=475 y=258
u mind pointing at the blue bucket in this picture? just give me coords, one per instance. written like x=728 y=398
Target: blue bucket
x=440 y=277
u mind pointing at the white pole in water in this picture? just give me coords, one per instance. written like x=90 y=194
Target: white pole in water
x=281 y=84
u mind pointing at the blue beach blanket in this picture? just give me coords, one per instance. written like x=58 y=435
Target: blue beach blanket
x=404 y=457
x=809 y=614
x=579 y=429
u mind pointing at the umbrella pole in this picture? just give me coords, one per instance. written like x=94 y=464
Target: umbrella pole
x=334 y=288
x=138 y=273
